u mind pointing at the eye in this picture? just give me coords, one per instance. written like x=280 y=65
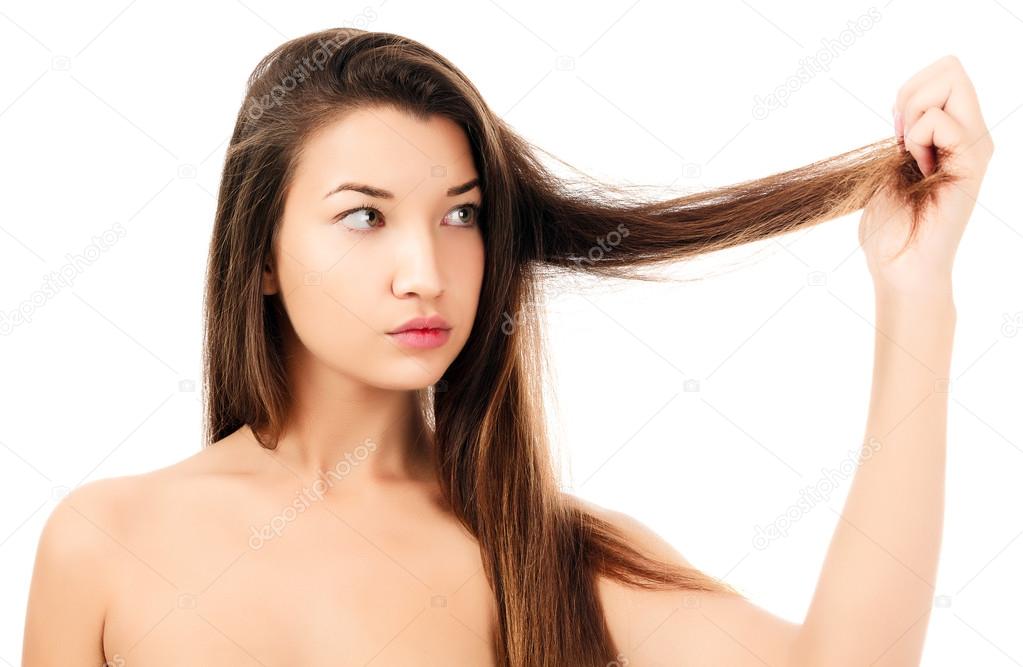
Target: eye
x=474 y=211
x=367 y=217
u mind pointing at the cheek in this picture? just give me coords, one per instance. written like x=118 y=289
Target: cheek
x=465 y=266
x=331 y=293
x=476 y=265
x=466 y=258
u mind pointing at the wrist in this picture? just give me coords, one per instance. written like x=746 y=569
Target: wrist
x=934 y=296
x=917 y=326
x=913 y=283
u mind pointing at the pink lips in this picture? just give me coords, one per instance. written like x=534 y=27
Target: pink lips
x=422 y=332
x=432 y=322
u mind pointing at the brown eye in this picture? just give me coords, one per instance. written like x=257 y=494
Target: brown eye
x=361 y=219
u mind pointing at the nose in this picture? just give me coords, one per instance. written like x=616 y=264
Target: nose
x=417 y=269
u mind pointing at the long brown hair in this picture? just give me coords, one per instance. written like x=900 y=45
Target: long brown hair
x=542 y=552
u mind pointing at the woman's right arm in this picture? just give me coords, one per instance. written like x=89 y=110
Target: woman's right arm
x=67 y=596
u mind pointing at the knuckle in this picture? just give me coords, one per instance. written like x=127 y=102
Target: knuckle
x=912 y=115
x=951 y=60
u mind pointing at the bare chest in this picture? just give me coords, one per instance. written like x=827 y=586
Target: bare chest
x=316 y=587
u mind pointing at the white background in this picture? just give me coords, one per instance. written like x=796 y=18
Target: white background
x=119 y=112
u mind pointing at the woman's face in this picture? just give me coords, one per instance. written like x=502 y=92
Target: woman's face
x=348 y=274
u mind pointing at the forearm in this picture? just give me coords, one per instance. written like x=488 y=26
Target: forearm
x=875 y=591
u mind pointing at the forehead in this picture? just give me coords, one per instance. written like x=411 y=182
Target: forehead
x=387 y=148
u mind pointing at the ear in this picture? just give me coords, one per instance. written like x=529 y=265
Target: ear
x=270 y=285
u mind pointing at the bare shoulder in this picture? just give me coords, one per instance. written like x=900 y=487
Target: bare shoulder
x=82 y=526
x=84 y=545
x=643 y=537
x=96 y=531
x=692 y=627
x=85 y=526
x=71 y=576
x=98 y=499
x=102 y=517
x=99 y=513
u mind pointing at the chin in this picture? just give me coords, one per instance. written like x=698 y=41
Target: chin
x=412 y=374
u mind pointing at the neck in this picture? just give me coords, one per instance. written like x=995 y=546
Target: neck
x=345 y=431
x=374 y=441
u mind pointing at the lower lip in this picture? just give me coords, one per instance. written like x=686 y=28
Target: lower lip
x=422 y=339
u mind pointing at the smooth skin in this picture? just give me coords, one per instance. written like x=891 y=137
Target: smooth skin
x=164 y=568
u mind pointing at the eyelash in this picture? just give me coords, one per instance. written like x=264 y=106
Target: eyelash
x=475 y=210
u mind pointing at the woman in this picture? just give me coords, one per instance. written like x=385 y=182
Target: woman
x=376 y=486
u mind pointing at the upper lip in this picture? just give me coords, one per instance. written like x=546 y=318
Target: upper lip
x=432 y=322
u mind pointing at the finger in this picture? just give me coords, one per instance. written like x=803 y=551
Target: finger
x=948 y=88
x=926 y=74
x=941 y=68
x=936 y=128
x=955 y=96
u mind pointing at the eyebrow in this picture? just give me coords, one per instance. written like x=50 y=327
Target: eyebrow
x=384 y=194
